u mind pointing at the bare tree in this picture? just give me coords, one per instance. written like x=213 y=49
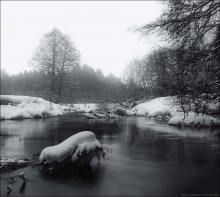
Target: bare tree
x=69 y=58
x=55 y=56
x=192 y=27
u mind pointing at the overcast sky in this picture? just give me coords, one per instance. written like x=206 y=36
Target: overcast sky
x=98 y=29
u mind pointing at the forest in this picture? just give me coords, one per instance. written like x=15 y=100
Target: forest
x=82 y=85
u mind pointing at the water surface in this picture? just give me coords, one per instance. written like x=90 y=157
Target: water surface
x=148 y=158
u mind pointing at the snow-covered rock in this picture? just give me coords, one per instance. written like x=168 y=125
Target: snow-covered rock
x=113 y=116
x=85 y=108
x=80 y=108
x=28 y=107
x=73 y=146
x=85 y=147
x=99 y=115
x=120 y=111
x=130 y=113
x=89 y=116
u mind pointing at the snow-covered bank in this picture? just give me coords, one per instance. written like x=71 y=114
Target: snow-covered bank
x=80 y=108
x=19 y=107
x=154 y=107
x=194 y=120
x=160 y=108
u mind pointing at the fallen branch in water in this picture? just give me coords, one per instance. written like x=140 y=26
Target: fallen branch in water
x=13 y=163
x=12 y=179
x=22 y=176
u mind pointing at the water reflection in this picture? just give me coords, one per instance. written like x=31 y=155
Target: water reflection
x=22 y=188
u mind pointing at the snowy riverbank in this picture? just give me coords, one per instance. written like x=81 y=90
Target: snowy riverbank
x=160 y=108
x=20 y=107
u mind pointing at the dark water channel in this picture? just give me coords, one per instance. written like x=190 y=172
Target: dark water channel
x=148 y=159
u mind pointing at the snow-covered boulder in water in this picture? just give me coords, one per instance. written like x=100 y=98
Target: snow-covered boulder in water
x=74 y=155
x=99 y=115
x=72 y=147
x=85 y=147
x=89 y=116
x=113 y=116
x=120 y=111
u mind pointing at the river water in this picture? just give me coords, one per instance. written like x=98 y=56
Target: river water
x=147 y=159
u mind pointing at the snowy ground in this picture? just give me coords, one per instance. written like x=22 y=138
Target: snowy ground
x=80 y=108
x=19 y=107
x=160 y=107
x=154 y=107
x=194 y=120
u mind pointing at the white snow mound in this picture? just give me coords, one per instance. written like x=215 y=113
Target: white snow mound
x=20 y=107
x=80 y=108
x=195 y=119
x=153 y=107
x=72 y=146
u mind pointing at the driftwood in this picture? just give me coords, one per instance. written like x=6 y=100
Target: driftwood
x=13 y=178
x=13 y=163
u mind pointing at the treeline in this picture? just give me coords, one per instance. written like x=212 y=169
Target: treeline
x=82 y=85
x=189 y=66
x=58 y=75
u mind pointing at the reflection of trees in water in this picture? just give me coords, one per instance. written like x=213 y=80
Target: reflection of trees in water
x=22 y=188
x=132 y=134
x=166 y=146
x=146 y=136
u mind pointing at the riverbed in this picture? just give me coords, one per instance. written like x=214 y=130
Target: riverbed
x=147 y=159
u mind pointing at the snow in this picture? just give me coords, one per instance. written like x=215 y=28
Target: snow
x=113 y=116
x=80 y=108
x=130 y=113
x=72 y=146
x=85 y=147
x=19 y=107
x=28 y=107
x=99 y=115
x=195 y=119
x=89 y=116
x=157 y=106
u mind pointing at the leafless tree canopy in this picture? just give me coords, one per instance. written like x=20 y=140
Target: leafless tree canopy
x=190 y=67
x=55 y=56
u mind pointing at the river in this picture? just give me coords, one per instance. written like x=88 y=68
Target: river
x=147 y=159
